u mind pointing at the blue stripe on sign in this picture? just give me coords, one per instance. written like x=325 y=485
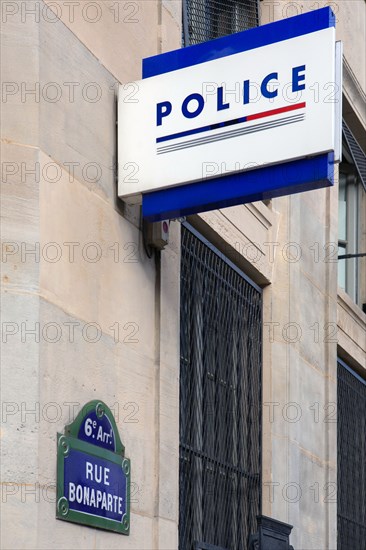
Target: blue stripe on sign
x=230 y=134
x=255 y=116
x=262 y=183
x=285 y=29
x=202 y=129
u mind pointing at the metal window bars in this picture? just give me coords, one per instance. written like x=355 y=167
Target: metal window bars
x=208 y=19
x=351 y=475
x=220 y=401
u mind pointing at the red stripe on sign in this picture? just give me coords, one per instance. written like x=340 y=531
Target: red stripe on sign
x=276 y=111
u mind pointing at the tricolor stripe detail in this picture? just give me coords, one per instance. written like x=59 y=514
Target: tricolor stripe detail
x=232 y=122
x=231 y=134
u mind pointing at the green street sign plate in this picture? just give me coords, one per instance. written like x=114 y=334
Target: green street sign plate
x=93 y=475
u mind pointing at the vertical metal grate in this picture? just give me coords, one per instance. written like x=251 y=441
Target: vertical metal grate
x=220 y=401
x=208 y=19
x=351 y=498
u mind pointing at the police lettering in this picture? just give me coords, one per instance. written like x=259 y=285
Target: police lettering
x=193 y=105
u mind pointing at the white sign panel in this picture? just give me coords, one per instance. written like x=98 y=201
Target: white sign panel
x=260 y=107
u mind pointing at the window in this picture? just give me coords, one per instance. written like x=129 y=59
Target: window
x=351 y=453
x=352 y=221
x=208 y=19
x=220 y=400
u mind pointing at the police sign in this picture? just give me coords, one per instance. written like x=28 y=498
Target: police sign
x=93 y=475
x=248 y=116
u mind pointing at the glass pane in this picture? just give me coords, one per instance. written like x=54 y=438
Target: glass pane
x=342 y=215
x=342 y=268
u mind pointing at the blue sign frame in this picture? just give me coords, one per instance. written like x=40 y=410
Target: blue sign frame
x=252 y=185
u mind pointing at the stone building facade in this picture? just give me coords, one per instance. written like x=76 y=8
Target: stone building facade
x=88 y=313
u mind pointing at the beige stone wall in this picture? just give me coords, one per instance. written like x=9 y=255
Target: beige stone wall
x=300 y=373
x=105 y=315
x=90 y=279
x=246 y=234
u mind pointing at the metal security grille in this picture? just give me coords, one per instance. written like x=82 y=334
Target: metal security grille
x=220 y=401
x=208 y=19
x=351 y=498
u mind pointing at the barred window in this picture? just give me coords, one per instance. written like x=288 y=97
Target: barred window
x=220 y=400
x=351 y=441
x=208 y=19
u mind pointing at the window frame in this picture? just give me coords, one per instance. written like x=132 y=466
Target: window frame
x=355 y=220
